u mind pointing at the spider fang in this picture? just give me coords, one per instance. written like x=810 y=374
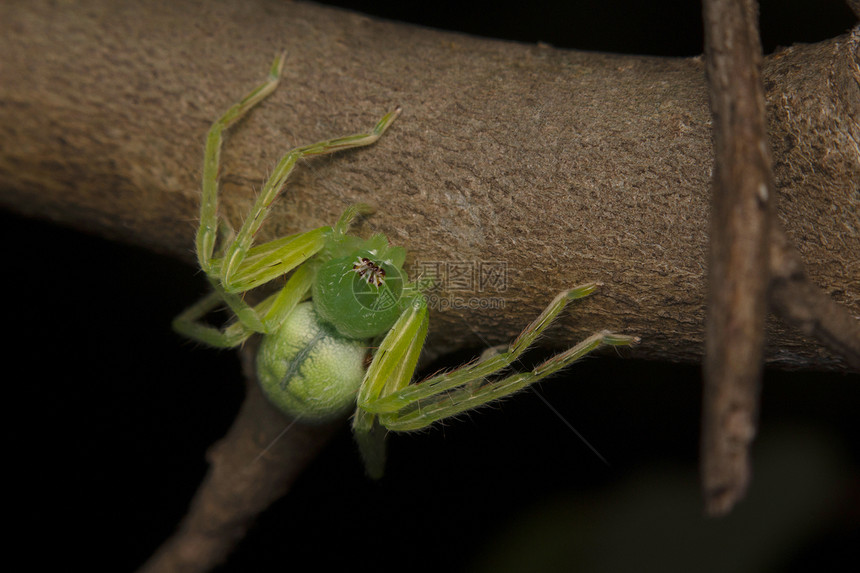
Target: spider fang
x=369 y=271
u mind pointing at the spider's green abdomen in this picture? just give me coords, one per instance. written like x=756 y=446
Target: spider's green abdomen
x=359 y=294
x=308 y=370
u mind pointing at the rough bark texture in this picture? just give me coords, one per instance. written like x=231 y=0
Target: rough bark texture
x=566 y=166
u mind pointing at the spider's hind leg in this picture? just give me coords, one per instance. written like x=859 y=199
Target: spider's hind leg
x=190 y=323
x=265 y=318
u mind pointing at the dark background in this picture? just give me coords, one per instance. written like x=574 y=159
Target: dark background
x=112 y=412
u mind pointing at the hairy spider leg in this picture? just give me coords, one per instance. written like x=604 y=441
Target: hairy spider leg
x=447 y=404
x=392 y=368
x=284 y=254
x=190 y=324
x=207 y=233
x=244 y=267
x=489 y=364
x=395 y=359
x=263 y=263
x=267 y=317
x=418 y=405
x=236 y=273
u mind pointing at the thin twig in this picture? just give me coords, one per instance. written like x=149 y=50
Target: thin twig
x=738 y=271
x=808 y=307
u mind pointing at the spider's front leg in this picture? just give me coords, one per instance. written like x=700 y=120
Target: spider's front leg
x=207 y=232
x=244 y=266
x=391 y=370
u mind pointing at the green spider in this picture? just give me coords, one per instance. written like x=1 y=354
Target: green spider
x=345 y=301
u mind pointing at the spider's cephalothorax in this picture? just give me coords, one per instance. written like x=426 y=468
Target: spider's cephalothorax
x=344 y=297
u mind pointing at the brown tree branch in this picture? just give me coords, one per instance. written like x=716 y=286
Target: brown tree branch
x=251 y=467
x=566 y=166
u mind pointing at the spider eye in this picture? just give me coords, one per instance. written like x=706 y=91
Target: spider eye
x=371 y=272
